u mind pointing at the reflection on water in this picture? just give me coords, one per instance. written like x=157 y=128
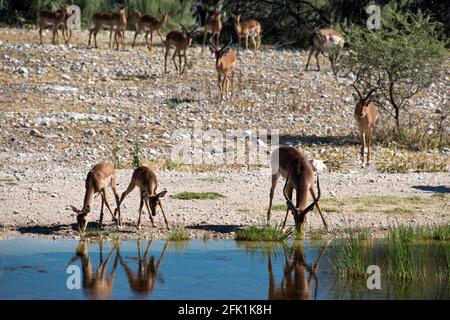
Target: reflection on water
x=146 y=269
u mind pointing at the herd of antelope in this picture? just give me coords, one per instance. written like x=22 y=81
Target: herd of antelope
x=289 y=162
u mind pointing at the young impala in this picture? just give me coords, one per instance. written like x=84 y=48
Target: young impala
x=110 y=20
x=292 y=164
x=326 y=40
x=144 y=178
x=150 y=24
x=54 y=19
x=213 y=24
x=366 y=115
x=249 y=28
x=97 y=180
x=225 y=64
x=180 y=40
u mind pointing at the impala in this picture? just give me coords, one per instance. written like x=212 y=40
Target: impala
x=180 y=40
x=366 y=115
x=249 y=28
x=225 y=64
x=54 y=19
x=150 y=24
x=97 y=180
x=113 y=21
x=144 y=178
x=326 y=40
x=292 y=164
x=213 y=24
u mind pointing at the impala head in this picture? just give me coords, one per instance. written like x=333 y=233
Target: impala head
x=136 y=15
x=218 y=52
x=82 y=219
x=299 y=213
x=189 y=33
x=122 y=9
x=363 y=102
x=236 y=17
x=154 y=200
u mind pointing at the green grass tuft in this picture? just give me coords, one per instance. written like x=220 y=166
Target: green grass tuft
x=178 y=234
x=263 y=233
x=198 y=195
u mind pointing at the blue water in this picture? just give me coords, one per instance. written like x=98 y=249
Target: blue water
x=36 y=269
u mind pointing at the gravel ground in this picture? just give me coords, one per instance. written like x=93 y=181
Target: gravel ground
x=65 y=108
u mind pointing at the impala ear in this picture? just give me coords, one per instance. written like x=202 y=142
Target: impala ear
x=161 y=194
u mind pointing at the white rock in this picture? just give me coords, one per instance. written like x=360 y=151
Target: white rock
x=90 y=132
x=318 y=165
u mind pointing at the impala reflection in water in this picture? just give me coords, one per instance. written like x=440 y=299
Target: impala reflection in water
x=197 y=269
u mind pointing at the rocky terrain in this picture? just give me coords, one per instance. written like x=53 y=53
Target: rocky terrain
x=65 y=108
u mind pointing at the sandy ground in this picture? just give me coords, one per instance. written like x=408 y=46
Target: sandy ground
x=37 y=203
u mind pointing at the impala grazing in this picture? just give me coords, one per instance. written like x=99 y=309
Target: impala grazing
x=292 y=164
x=225 y=64
x=213 y=24
x=249 y=28
x=97 y=180
x=326 y=40
x=144 y=178
x=150 y=24
x=113 y=21
x=366 y=115
x=54 y=19
x=180 y=40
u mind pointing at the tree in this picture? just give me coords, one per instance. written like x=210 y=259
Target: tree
x=402 y=58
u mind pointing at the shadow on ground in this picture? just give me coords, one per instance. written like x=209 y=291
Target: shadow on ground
x=216 y=228
x=326 y=140
x=52 y=229
x=435 y=189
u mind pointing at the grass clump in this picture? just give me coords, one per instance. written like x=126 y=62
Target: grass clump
x=178 y=234
x=351 y=257
x=8 y=182
x=198 y=195
x=263 y=233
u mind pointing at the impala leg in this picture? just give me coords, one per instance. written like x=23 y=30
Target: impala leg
x=174 y=61
x=369 y=147
x=179 y=61
x=317 y=60
x=246 y=42
x=160 y=35
x=272 y=191
x=116 y=197
x=149 y=212
x=363 y=147
x=151 y=40
x=110 y=36
x=289 y=191
x=219 y=82
x=101 y=213
x=232 y=84
x=40 y=33
x=109 y=207
x=164 y=215
x=95 y=36
x=165 y=60
x=318 y=208
x=140 y=212
x=184 y=66
x=205 y=34
x=135 y=36
x=309 y=58
x=255 y=47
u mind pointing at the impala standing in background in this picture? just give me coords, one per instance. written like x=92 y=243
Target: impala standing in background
x=110 y=20
x=150 y=24
x=326 y=40
x=213 y=24
x=225 y=64
x=366 y=113
x=180 y=40
x=249 y=28
x=55 y=19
